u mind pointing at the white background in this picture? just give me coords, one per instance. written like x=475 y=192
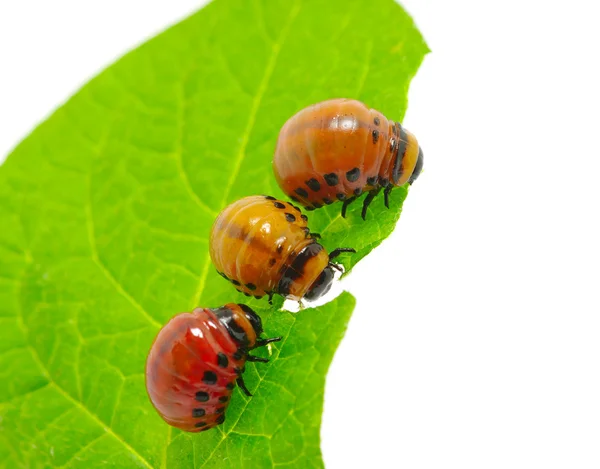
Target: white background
x=476 y=340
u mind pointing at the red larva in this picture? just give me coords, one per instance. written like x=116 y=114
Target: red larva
x=196 y=360
x=338 y=149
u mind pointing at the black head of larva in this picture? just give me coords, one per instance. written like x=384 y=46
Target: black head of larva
x=253 y=318
x=321 y=285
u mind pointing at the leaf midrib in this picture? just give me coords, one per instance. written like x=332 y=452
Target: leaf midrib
x=257 y=100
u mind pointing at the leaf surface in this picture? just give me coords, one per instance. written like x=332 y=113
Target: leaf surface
x=105 y=212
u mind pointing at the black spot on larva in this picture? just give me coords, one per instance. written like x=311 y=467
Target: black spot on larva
x=222 y=360
x=279 y=205
x=358 y=191
x=230 y=386
x=202 y=396
x=223 y=399
x=289 y=217
x=301 y=192
x=375 y=136
x=327 y=201
x=221 y=419
x=237 y=355
x=376 y=121
x=247 y=294
x=353 y=174
x=198 y=412
x=268 y=197
x=294 y=207
x=313 y=184
x=304 y=217
x=258 y=297
x=340 y=196
x=210 y=377
x=306 y=230
x=200 y=424
x=279 y=249
x=220 y=410
x=331 y=179
x=272 y=261
x=237 y=371
x=235 y=282
x=372 y=181
x=222 y=275
x=317 y=205
x=295 y=199
x=251 y=286
x=309 y=209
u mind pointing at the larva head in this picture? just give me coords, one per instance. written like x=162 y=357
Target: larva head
x=305 y=273
x=321 y=285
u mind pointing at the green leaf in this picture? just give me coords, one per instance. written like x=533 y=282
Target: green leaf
x=105 y=212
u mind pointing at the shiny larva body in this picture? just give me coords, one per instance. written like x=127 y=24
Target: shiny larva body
x=264 y=247
x=338 y=149
x=195 y=362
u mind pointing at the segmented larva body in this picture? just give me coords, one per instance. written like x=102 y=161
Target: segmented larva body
x=264 y=247
x=338 y=149
x=196 y=360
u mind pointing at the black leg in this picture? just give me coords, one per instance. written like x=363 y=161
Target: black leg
x=368 y=199
x=346 y=203
x=271 y=297
x=386 y=194
x=315 y=235
x=242 y=385
x=336 y=267
x=263 y=342
x=338 y=251
x=252 y=358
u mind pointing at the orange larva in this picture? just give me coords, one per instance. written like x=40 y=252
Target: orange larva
x=264 y=247
x=338 y=149
x=196 y=360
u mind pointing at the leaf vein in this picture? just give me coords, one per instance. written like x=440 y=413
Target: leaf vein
x=179 y=153
x=73 y=400
x=110 y=277
x=262 y=89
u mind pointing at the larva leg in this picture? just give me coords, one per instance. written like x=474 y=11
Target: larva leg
x=242 y=385
x=252 y=358
x=338 y=251
x=386 y=194
x=346 y=203
x=263 y=342
x=368 y=199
